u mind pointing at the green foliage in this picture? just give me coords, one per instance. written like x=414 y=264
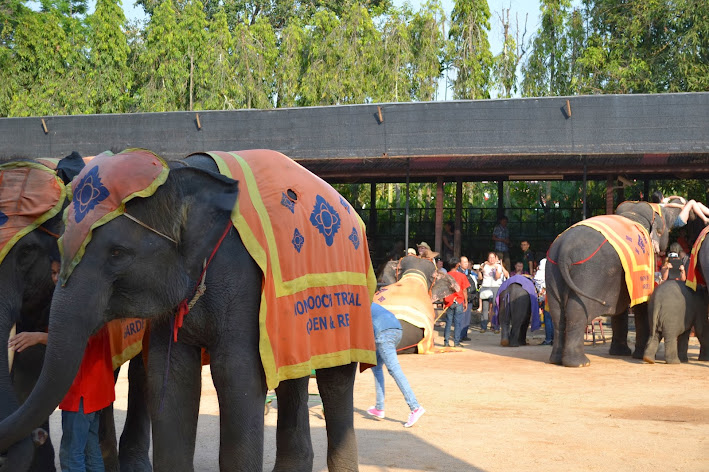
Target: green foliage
x=109 y=77
x=469 y=53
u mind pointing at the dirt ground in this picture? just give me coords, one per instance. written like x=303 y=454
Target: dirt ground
x=490 y=408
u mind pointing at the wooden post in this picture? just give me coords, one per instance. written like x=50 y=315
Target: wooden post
x=609 y=194
x=457 y=235
x=438 y=241
x=372 y=227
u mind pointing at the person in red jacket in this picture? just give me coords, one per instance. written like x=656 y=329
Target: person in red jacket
x=92 y=391
x=455 y=305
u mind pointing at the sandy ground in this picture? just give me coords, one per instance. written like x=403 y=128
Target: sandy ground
x=490 y=408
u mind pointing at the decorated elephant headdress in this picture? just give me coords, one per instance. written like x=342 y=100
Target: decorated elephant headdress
x=30 y=194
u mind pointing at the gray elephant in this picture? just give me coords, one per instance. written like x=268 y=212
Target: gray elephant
x=29 y=246
x=674 y=310
x=585 y=278
x=168 y=240
x=517 y=304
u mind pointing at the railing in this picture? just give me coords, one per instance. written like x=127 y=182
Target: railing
x=539 y=226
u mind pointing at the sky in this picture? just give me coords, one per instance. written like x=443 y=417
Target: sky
x=528 y=9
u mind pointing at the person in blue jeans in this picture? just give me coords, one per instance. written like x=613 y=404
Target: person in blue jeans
x=387 y=334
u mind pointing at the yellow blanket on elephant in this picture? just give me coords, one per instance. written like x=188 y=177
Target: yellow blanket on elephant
x=631 y=242
x=126 y=339
x=30 y=194
x=410 y=301
x=312 y=248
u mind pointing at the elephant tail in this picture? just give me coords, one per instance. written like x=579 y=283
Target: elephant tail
x=564 y=263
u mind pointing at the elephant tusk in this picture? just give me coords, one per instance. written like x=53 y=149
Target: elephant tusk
x=11 y=352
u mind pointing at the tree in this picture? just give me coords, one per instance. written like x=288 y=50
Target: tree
x=163 y=71
x=289 y=64
x=427 y=44
x=551 y=67
x=470 y=50
x=513 y=50
x=193 y=37
x=394 y=80
x=254 y=59
x=109 y=77
x=216 y=88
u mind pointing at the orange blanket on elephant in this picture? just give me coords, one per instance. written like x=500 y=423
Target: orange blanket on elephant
x=126 y=339
x=30 y=194
x=312 y=248
x=695 y=277
x=410 y=301
x=632 y=243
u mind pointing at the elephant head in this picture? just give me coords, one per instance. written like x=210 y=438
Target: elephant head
x=440 y=284
x=141 y=265
x=648 y=215
x=28 y=232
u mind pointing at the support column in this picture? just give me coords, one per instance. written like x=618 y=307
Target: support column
x=609 y=194
x=406 y=208
x=457 y=234
x=438 y=240
x=372 y=226
x=500 y=198
x=584 y=214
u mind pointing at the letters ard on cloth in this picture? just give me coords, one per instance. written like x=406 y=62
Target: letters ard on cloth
x=631 y=242
x=312 y=248
x=695 y=277
x=409 y=300
x=99 y=194
x=30 y=194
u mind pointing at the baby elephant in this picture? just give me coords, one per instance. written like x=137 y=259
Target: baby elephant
x=674 y=309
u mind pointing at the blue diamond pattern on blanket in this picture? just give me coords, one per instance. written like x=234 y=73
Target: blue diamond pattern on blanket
x=287 y=202
x=354 y=237
x=298 y=240
x=89 y=193
x=344 y=203
x=325 y=219
x=3 y=218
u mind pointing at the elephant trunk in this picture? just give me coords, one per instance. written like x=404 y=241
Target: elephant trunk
x=19 y=456
x=65 y=349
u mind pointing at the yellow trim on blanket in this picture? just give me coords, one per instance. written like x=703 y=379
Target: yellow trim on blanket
x=128 y=353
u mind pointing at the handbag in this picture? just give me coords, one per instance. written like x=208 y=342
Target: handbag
x=485 y=293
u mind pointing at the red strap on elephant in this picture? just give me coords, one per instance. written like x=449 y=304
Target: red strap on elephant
x=185 y=306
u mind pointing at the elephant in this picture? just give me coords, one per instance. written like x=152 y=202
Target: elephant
x=411 y=301
x=27 y=288
x=518 y=305
x=674 y=309
x=173 y=244
x=585 y=278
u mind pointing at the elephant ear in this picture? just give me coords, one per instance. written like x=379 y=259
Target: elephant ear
x=207 y=202
x=69 y=167
x=388 y=275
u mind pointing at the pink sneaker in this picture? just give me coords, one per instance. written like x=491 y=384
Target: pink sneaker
x=376 y=413
x=414 y=416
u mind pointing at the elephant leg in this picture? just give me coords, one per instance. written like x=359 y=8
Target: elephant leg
x=336 y=386
x=504 y=320
x=642 y=329
x=683 y=346
x=559 y=323
x=523 y=332
x=173 y=410
x=671 y=356
x=133 y=451
x=619 y=343
x=107 y=439
x=294 y=447
x=241 y=389
x=44 y=455
x=651 y=348
x=574 y=324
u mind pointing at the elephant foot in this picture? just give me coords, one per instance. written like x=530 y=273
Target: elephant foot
x=505 y=342
x=672 y=360
x=649 y=359
x=555 y=357
x=576 y=361
x=638 y=354
x=620 y=350
x=703 y=357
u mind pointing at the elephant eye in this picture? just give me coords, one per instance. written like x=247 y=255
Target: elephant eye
x=117 y=251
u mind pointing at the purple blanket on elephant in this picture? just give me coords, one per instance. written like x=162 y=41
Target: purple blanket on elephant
x=528 y=285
